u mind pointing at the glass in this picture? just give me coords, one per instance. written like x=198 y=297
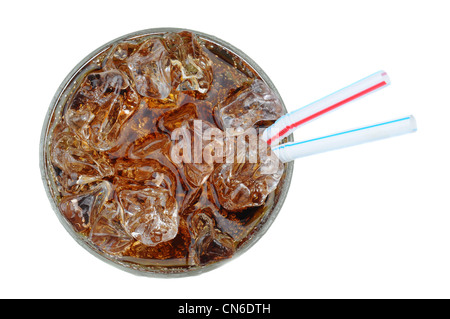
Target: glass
x=259 y=218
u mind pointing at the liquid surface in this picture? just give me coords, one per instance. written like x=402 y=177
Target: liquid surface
x=112 y=152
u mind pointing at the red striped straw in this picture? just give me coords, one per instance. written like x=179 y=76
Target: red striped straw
x=288 y=123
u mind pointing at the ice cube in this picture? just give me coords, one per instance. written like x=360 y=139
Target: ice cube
x=149 y=144
x=245 y=182
x=150 y=214
x=173 y=119
x=145 y=172
x=117 y=56
x=107 y=231
x=191 y=71
x=100 y=107
x=80 y=210
x=76 y=163
x=246 y=107
x=197 y=146
x=150 y=69
x=210 y=243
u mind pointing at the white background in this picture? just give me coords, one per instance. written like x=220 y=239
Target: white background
x=372 y=221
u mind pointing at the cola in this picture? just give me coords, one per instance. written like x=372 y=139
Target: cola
x=154 y=158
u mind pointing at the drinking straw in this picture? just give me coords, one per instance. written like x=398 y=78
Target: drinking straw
x=291 y=151
x=286 y=124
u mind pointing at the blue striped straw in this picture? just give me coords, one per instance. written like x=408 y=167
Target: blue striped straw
x=291 y=151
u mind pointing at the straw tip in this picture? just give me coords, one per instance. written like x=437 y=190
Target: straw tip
x=413 y=123
x=385 y=77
